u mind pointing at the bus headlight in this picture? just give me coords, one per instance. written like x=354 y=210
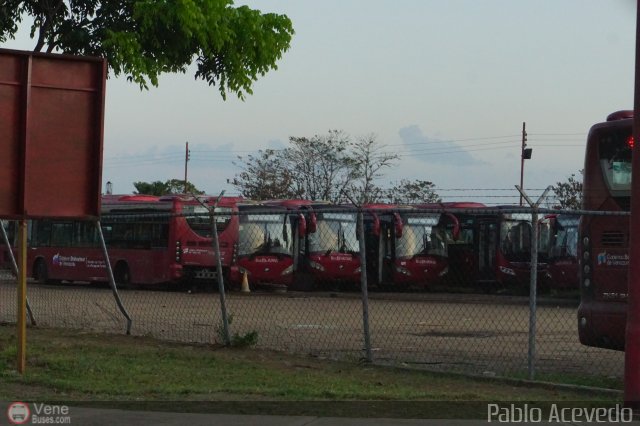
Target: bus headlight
x=316 y=266
x=585 y=241
x=243 y=270
x=507 y=271
x=583 y=322
x=288 y=270
x=587 y=282
x=403 y=271
x=358 y=270
x=444 y=272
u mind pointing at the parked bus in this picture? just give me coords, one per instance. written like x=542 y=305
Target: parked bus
x=407 y=246
x=465 y=251
x=559 y=243
x=603 y=242
x=329 y=249
x=267 y=245
x=150 y=240
x=494 y=247
x=504 y=248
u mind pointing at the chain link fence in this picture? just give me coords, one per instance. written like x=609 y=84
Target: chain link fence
x=443 y=287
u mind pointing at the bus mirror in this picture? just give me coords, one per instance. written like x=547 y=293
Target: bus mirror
x=455 y=234
x=313 y=223
x=397 y=222
x=302 y=225
x=376 y=225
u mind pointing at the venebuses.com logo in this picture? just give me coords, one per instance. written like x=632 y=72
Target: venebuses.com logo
x=18 y=413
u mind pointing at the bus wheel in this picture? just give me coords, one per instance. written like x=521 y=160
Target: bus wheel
x=40 y=273
x=122 y=276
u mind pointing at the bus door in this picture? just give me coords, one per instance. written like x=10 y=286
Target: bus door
x=486 y=249
x=462 y=255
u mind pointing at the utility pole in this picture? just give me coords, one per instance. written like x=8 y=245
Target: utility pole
x=525 y=154
x=186 y=161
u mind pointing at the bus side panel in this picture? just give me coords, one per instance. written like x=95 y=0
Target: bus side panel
x=146 y=266
x=88 y=264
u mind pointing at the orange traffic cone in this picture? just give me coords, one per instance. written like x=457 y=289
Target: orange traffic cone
x=245 y=283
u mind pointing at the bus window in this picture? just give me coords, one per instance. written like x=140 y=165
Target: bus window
x=41 y=233
x=85 y=234
x=199 y=220
x=516 y=237
x=334 y=232
x=615 y=160
x=61 y=234
x=265 y=233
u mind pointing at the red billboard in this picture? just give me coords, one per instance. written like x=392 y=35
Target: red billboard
x=51 y=135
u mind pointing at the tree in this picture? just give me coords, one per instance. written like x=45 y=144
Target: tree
x=171 y=186
x=323 y=165
x=150 y=188
x=368 y=161
x=569 y=193
x=176 y=186
x=264 y=176
x=231 y=46
x=410 y=192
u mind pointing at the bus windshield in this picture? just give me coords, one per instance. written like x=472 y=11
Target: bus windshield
x=335 y=232
x=516 y=240
x=615 y=160
x=422 y=235
x=566 y=238
x=265 y=234
x=199 y=220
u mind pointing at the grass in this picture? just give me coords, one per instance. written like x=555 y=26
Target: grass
x=115 y=370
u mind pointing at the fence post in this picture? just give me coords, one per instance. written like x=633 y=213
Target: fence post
x=533 y=280
x=112 y=281
x=533 y=293
x=363 y=286
x=216 y=248
x=14 y=267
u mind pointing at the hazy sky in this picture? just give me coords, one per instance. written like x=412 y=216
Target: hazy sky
x=446 y=84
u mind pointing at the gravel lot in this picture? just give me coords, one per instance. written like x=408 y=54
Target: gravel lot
x=481 y=334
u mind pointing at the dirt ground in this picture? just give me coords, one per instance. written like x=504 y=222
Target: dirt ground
x=478 y=334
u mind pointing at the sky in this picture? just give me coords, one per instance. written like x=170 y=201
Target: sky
x=445 y=84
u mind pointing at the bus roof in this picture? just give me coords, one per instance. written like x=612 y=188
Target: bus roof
x=451 y=205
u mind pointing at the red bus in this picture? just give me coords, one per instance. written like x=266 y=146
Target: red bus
x=150 y=240
x=268 y=245
x=329 y=249
x=559 y=243
x=603 y=243
x=494 y=247
x=504 y=248
x=407 y=246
